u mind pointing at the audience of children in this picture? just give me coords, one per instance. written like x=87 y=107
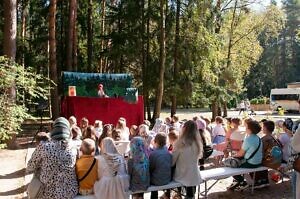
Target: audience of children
x=152 y=154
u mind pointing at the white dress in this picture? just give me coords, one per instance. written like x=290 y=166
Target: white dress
x=108 y=185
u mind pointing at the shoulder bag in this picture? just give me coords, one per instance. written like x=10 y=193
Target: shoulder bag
x=87 y=173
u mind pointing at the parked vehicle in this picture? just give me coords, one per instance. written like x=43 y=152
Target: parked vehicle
x=287 y=99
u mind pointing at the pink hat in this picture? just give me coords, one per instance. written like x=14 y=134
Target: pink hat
x=201 y=124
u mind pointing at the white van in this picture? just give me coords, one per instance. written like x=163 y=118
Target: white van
x=286 y=98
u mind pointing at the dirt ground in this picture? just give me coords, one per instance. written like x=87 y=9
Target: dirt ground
x=12 y=171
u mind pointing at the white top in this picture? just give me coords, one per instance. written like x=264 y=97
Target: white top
x=218 y=130
x=285 y=140
x=242 y=105
x=186 y=161
x=108 y=185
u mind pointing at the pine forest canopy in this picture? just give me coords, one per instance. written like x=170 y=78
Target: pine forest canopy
x=212 y=51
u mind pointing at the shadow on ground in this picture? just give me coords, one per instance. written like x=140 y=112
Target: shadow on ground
x=16 y=191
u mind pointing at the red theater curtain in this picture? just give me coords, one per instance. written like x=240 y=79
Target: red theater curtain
x=108 y=110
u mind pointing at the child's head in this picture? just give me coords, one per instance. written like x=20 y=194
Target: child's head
x=42 y=137
x=107 y=132
x=279 y=123
x=201 y=124
x=253 y=127
x=98 y=124
x=168 y=120
x=90 y=132
x=235 y=122
x=121 y=124
x=268 y=127
x=288 y=125
x=147 y=122
x=133 y=130
x=219 y=120
x=84 y=123
x=73 y=121
x=116 y=134
x=246 y=121
x=173 y=136
x=76 y=132
x=87 y=146
x=175 y=118
x=160 y=140
x=108 y=146
x=143 y=130
x=207 y=120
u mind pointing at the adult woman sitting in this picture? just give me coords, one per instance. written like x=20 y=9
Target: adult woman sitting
x=55 y=161
x=250 y=154
x=113 y=179
x=186 y=153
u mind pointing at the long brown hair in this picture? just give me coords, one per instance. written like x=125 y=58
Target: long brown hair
x=190 y=135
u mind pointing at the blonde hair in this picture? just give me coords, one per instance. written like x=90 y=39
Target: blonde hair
x=87 y=146
x=190 y=135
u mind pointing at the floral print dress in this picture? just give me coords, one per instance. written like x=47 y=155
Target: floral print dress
x=55 y=163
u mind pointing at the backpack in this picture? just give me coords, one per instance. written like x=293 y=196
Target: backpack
x=274 y=155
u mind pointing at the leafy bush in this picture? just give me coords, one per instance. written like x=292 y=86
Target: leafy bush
x=260 y=100
x=15 y=82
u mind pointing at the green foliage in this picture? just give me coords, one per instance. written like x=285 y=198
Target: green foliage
x=260 y=100
x=14 y=77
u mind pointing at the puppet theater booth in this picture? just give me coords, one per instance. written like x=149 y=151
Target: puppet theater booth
x=81 y=98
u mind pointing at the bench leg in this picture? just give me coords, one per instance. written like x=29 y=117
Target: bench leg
x=199 y=191
x=205 y=184
x=253 y=181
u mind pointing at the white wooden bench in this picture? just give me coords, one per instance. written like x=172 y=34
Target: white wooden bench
x=171 y=185
x=225 y=172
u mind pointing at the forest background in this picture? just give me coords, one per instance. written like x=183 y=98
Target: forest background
x=199 y=53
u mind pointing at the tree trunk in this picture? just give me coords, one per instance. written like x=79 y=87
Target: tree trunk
x=9 y=36
x=23 y=34
x=225 y=113
x=162 y=59
x=231 y=35
x=72 y=5
x=10 y=28
x=102 y=59
x=175 y=70
x=52 y=61
x=219 y=110
x=214 y=109
x=146 y=95
x=143 y=53
x=75 y=56
x=90 y=35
